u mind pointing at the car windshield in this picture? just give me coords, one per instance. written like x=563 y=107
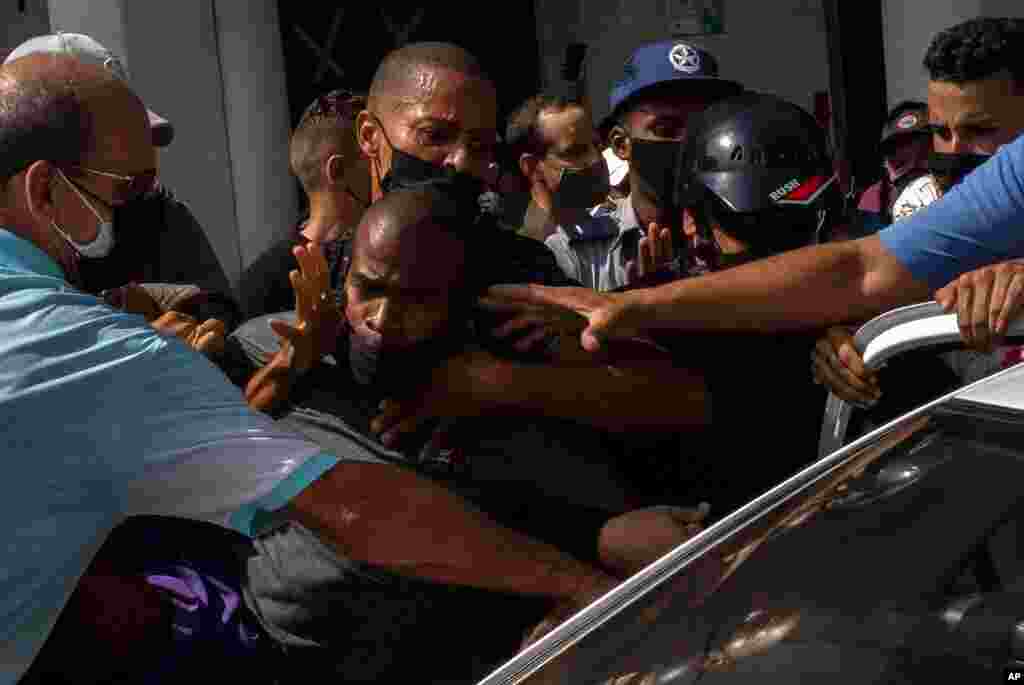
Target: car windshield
x=864 y=572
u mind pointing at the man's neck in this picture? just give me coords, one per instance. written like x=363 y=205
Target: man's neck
x=46 y=239
x=325 y=223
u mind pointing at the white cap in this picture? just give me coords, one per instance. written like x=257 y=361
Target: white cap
x=617 y=168
x=85 y=49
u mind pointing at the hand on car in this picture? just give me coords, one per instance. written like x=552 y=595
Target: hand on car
x=836 y=363
x=599 y=586
x=986 y=301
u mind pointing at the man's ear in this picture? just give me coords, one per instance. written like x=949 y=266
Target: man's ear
x=366 y=133
x=621 y=143
x=334 y=170
x=38 y=186
x=529 y=164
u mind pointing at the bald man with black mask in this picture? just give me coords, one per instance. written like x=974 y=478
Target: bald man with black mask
x=432 y=114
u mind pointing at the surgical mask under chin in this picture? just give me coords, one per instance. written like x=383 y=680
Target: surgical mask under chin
x=653 y=164
x=99 y=247
x=582 y=188
x=948 y=169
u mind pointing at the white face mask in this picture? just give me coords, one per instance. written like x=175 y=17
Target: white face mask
x=103 y=244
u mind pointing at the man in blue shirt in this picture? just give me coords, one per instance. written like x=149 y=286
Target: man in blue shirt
x=103 y=417
x=975 y=225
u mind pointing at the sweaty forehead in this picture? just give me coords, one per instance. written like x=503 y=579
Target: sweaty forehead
x=423 y=255
x=442 y=93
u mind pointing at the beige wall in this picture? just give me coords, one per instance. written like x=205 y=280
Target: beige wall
x=19 y=26
x=216 y=70
x=909 y=28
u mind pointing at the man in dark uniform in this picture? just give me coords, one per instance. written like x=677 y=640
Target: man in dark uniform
x=906 y=142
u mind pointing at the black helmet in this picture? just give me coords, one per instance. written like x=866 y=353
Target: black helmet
x=759 y=164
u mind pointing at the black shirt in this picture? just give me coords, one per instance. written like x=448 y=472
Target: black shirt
x=766 y=413
x=265 y=286
x=159 y=240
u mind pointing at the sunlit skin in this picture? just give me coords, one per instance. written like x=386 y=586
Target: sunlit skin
x=339 y=203
x=445 y=117
x=569 y=136
x=977 y=117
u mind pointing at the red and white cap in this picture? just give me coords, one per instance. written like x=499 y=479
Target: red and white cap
x=88 y=50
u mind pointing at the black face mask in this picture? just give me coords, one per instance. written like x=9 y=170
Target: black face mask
x=583 y=188
x=654 y=164
x=948 y=169
x=409 y=171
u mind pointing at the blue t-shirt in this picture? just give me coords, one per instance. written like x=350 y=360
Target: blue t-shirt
x=979 y=222
x=103 y=418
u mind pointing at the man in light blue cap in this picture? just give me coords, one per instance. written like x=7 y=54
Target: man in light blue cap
x=662 y=84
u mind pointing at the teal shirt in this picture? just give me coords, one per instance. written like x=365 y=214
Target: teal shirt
x=102 y=418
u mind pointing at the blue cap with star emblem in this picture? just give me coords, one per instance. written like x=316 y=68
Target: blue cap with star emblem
x=672 y=60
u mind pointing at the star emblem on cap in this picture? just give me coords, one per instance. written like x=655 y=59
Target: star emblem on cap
x=907 y=121
x=628 y=71
x=684 y=58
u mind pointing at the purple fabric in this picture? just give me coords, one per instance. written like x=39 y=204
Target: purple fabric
x=209 y=619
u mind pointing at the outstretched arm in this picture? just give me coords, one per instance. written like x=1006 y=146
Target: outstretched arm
x=638 y=389
x=802 y=289
x=392 y=518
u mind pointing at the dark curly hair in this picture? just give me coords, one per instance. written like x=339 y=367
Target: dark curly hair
x=977 y=49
